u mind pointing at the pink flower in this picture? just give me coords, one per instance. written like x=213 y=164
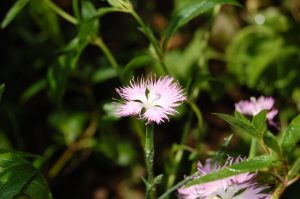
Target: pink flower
x=151 y=99
x=241 y=186
x=254 y=106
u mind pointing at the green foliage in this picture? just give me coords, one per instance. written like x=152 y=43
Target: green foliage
x=13 y=12
x=292 y=135
x=64 y=59
x=257 y=128
x=251 y=165
x=18 y=176
x=189 y=12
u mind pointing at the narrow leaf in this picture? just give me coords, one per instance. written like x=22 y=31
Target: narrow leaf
x=292 y=135
x=251 y=165
x=190 y=11
x=239 y=123
x=14 y=10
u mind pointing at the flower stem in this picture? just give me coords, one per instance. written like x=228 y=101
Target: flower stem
x=149 y=159
x=61 y=12
x=179 y=154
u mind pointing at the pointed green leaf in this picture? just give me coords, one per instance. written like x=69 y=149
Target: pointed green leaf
x=259 y=122
x=239 y=122
x=13 y=12
x=251 y=165
x=292 y=135
x=190 y=11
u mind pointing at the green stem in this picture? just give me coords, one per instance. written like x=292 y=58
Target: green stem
x=175 y=187
x=76 y=9
x=99 y=42
x=179 y=153
x=149 y=159
x=61 y=12
x=153 y=41
x=278 y=191
x=252 y=151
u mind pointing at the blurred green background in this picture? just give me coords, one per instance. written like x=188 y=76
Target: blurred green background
x=60 y=81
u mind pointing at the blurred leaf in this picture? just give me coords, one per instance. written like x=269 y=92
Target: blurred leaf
x=136 y=62
x=13 y=12
x=102 y=11
x=291 y=135
x=189 y=12
x=251 y=165
x=123 y=5
x=57 y=78
x=109 y=110
x=69 y=124
x=46 y=19
x=103 y=74
x=180 y=62
x=118 y=150
x=271 y=141
x=16 y=174
x=88 y=10
x=252 y=52
x=4 y=141
x=33 y=90
x=2 y=88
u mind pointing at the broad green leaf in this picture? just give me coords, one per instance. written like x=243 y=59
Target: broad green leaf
x=251 y=165
x=190 y=11
x=13 y=12
x=292 y=135
x=38 y=188
x=33 y=90
x=17 y=175
x=259 y=122
x=2 y=88
x=271 y=141
x=103 y=74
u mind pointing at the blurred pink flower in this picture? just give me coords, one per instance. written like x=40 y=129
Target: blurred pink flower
x=254 y=106
x=151 y=99
x=241 y=186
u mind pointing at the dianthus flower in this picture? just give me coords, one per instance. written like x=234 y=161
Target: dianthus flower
x=151 y=99
x=254 y=106
x=241 y=186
